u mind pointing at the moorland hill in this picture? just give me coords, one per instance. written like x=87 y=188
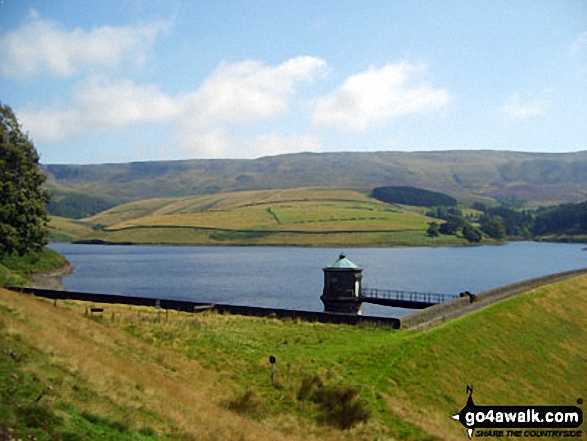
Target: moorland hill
x=538 y=178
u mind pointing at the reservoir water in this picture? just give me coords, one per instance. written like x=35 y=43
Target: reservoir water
x=286 y=277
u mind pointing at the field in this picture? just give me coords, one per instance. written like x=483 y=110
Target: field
x=134 y=373
x=307 y=217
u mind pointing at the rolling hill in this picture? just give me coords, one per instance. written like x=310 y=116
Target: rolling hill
x=538 y=178
x=303 y=216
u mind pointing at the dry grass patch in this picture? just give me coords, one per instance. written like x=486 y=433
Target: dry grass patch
x=149 y=384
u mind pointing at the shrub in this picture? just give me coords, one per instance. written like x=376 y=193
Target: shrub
x=247 y=403
x=309 y=385
x=340 y=405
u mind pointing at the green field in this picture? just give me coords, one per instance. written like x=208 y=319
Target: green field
x=306 y=217
x=126 y=374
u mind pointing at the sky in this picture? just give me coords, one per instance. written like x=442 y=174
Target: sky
x=138 y=80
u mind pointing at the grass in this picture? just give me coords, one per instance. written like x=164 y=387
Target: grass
x=15 y=270
x=208 y=376
x=303 y=217
x=62 y=229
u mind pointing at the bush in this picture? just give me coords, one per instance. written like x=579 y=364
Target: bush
x=247 y=403
x=309 y=385
x=340 y=405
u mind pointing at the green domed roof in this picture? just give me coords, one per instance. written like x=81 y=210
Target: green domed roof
x=343 y=263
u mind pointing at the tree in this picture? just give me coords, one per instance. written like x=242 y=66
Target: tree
x=479 y=206
x=433 y=230
x=452 y=225
x=23 y=211
x=443 y=212
x=472 y=234
x=493 y=227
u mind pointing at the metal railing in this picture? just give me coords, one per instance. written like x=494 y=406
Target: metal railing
x=410 y=296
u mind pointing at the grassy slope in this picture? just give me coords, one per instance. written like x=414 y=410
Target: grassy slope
x=62 y=229
x=268 y=217
x=174 y=378
x=15 y=270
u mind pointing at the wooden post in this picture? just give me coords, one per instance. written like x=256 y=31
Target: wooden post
x=158 y=307
x=272 y=360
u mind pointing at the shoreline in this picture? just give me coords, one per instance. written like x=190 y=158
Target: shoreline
x=52 y=279
x=455 y=243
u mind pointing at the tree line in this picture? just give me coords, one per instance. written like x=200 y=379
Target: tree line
x=413 y=196
x=500 y=222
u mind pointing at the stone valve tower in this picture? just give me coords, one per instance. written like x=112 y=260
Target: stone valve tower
x=342 y=287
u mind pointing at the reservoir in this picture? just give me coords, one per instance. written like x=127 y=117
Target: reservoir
x=289 y=277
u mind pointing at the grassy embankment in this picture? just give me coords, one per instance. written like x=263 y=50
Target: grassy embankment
x=128 y=376
x=16 y=270
x=304 y=217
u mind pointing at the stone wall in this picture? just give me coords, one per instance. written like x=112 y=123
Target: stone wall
x=180 y=305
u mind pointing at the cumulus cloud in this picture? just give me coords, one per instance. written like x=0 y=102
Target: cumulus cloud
x=237 y=94
x=221 y=143
x=41 y=46
x=516 y=108
x=249 y=90
x=276 y=144
x=98 y=105
x=379 y=94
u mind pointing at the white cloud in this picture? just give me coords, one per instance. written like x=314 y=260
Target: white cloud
x=515 y=108
x=40 y=46
x=249 y=90
x=274 y=144
x=100 y=105
x=220 y=143
x=234 y=95
x=379 y=94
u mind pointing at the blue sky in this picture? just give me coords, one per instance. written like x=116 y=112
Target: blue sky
x=133 y=80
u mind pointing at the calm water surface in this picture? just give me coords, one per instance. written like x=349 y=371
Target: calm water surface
x=285 y=277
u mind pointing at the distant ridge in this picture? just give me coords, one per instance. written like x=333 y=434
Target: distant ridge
x=471 y=174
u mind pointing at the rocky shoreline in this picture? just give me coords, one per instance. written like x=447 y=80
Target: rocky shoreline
x=52 y=279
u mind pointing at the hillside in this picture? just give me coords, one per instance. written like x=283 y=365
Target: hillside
x=17 y=270
x=304 y=216
x=534 y=177
x=126 y=375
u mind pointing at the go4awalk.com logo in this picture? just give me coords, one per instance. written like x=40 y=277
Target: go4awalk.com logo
x=520 y=421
